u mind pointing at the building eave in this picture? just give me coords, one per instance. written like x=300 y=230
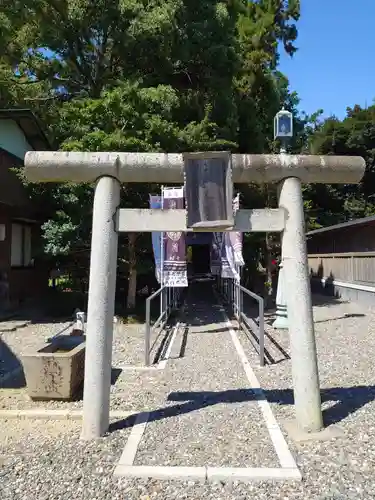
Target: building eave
x=30 y=126
x=357 y=222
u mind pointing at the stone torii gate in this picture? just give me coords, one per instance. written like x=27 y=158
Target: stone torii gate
x=108 y=170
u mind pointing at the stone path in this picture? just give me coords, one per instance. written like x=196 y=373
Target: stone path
x=208 y=417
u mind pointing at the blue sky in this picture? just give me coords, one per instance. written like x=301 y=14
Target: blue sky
x=335 y=64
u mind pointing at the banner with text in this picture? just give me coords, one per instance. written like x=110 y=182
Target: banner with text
x=226 y=251
x=174 y=265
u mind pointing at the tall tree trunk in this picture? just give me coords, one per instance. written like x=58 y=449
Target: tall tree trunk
x=132 y=281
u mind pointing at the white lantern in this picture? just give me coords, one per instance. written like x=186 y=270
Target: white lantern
x=283 y=124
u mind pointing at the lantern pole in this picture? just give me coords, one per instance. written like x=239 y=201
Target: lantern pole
x=283 y=126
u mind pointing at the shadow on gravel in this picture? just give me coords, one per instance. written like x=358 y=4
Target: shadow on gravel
x=184 y=342
x=115 y=373
x=347 y=400
x=345 y=316
x=321 y=300
x=11 y=371
x=249 y=327
x=250 y=308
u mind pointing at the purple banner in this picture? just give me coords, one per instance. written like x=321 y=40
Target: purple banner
x=228 y=266
x=226 y=251
x=174 y=265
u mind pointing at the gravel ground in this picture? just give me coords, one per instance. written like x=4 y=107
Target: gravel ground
x=345 y=334
x=54 y=464
x=28 y=338
x=128 y=345
x=197 y=426
x=13 y=344
x=128 y=349
x=42 y=460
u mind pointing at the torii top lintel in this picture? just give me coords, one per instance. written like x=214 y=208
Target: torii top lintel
x=47 y=166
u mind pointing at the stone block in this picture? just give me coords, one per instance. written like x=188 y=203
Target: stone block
x=56 y=370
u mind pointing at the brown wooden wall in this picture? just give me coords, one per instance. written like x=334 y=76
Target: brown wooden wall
x=351 y=239
x=346 y=254
x=23 y=282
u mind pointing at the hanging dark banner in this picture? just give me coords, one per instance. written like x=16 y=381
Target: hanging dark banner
x=175 y=266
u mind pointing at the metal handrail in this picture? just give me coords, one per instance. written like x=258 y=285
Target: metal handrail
x=232 y=292
x=148 y=322
x=241 y=315
x=169 y=300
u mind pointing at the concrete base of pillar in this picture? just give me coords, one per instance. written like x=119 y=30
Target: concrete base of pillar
x=299 y=435
x=281 y=321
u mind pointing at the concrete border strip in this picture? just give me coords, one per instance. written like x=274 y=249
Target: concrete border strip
x=250 y=474
x=288 y=470
x=281 y=447
x=206 y=474
x=161 y=365
x=56 y=414
x=353 y=286
x=128 y=455
x=136 y=368
x=161 y=472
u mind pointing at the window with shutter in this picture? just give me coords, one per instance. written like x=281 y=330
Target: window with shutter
x=21 y=246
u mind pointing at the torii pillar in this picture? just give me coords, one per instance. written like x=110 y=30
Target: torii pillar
x=110 y=169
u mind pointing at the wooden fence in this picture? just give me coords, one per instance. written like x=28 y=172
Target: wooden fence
x=353 y=267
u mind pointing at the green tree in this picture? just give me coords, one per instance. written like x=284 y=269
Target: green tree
x=129 y=117
x=354 y=135
x=145 y=75
x=137 y=76
x=261 y=88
